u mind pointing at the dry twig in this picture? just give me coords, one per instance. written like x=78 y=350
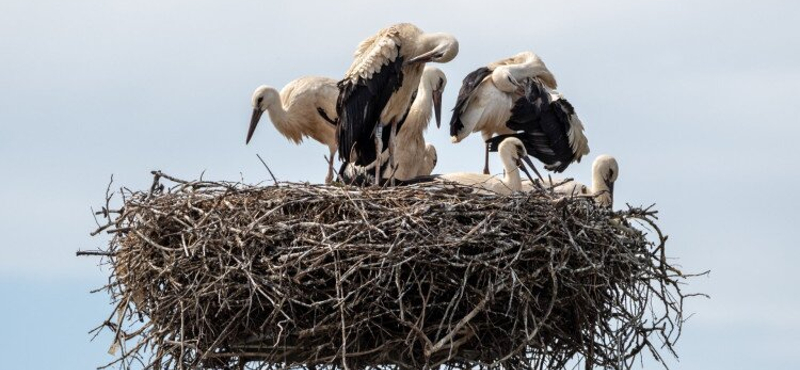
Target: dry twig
x=300 y=276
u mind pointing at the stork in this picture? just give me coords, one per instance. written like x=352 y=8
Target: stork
x=605 y=172
x=306 y=107
x=511 y=151
x=377 y=89
x=518 y=94
x=414 y=157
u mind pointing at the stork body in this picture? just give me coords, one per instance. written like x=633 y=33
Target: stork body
x=511 y=150
x=517 y=95
x=378 y=88
x=305 y=107
x=414 y=157
x=605 y=172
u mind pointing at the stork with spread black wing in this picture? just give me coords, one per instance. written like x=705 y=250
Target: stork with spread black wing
x=377 y=89
x=547 y=125
x=501 y=99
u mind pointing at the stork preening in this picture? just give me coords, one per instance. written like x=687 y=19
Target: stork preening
x=306 y=107
x=414 y=157
x=511 y=151
x=377 y=89
x=605 y=172
x=518 y=94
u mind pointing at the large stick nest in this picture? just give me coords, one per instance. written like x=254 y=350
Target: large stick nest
x=226 y=275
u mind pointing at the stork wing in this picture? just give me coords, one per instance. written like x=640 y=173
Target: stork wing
x=577 y=139
x=468 y=87
x=375 y=75
x=547 y=124
x=536 y=144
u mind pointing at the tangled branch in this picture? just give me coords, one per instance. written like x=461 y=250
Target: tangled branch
x=224 y=275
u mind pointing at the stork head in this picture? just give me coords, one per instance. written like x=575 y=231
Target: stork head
x=505 y=81
x=511 y=151
x=263 y=98
x=435 y=81
x=436 y=48
x=605 y=172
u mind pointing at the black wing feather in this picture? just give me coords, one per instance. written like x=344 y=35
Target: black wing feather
x=468 y=86
x=545 y=126
x=359 y=108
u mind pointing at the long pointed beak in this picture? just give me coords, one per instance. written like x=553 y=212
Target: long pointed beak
x=253 y=123
x=520 y=88
x=423 y=58
x=528 y=161
x=528 y=174
x=437 y=107
x=610 y=191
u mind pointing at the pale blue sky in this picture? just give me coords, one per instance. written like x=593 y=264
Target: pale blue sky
x=696 y=99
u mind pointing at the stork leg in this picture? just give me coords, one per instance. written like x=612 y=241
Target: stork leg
x=486 y=161
x=392 y=147
x=378 y=151
x=329 y=177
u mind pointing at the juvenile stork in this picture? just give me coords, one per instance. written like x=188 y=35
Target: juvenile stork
x=377 y=89
x=518 y=94
x=511 y=151
x=414 y=157
x=306 y=107
x=605 y=172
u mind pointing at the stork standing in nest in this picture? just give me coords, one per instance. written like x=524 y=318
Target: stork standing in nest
x=306 y=107
x=377 y=89
x=518 y=94
x=414 y=156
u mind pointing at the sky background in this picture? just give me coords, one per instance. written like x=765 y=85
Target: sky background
x=696 y=99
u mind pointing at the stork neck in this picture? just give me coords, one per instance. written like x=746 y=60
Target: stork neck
x=278 y=116
x=600 y=189
x=512 y=178
x=420 y=113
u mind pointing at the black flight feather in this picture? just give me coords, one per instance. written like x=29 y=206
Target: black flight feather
x=468 y=86
x=359 y=107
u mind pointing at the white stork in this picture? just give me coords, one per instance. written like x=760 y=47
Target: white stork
x=517 y=94
x=605 y=172
x=414 y=157
x=306 y=107
x=511 y=150
x=377 y=89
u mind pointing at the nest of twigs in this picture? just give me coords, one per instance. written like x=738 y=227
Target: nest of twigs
x=226 y=275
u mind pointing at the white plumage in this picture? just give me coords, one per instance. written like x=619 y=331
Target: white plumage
x=414 y=157
x=516 y=95
x=510 y=150
x=605 y=172
x=306 y=107
x=377 y=88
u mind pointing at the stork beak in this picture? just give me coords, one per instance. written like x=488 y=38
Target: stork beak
x=437 y=106
x=520 y=88
x=529 y=163
x=424 y=58
x=253 y=123
x=610 y=191
x=522 y=167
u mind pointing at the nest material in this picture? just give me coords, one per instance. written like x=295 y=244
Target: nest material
x=224 y=275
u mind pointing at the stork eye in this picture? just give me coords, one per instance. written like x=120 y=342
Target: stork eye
x=260 y=99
